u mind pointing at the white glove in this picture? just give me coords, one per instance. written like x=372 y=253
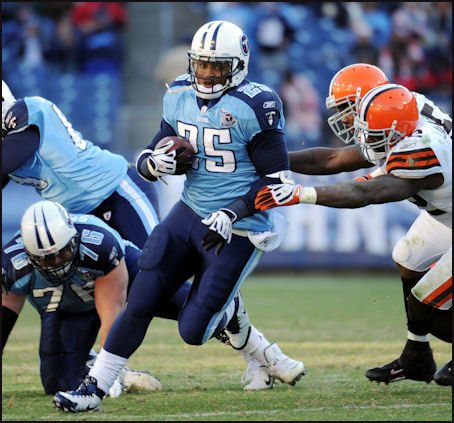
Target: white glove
x=161 y=163
x=219 y=231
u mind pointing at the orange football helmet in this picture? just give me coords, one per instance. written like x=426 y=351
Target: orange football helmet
x=386 y=115
x=345 y=92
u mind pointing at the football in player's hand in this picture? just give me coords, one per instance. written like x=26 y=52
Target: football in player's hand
x=184 y=152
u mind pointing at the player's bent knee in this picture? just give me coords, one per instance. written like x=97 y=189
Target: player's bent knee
x=191 y=333
x=401 y=252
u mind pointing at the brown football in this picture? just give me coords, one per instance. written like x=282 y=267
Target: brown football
x=185 y=152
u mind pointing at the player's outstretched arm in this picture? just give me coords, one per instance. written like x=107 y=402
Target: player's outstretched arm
x=346 y=194
x=327 y=161
x=110 y=297
x=11 y=307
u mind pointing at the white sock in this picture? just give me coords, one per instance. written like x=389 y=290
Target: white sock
x=420 y=338
x=255 y=346
x=106 y=369
x=248 y=358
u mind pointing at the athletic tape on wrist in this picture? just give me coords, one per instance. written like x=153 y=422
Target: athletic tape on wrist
x=308 y=195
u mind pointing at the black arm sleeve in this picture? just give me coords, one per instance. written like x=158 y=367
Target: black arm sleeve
x=17 y=148
x=165 y=131
x=268 y=153
x=9 y=318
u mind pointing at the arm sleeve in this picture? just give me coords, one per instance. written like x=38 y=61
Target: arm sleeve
x=165 y=131
x=268 y=153
x=17 y=148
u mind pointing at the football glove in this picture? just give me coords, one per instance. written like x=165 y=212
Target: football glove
x=161 y=162
x=219 y=231
x=284 y=195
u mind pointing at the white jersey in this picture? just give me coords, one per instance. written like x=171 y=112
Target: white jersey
x=428 y=110
x=427 y=151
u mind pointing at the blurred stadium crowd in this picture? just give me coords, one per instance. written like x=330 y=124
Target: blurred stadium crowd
x=297 y=48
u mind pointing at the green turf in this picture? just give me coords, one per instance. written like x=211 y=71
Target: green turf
x=339 y=325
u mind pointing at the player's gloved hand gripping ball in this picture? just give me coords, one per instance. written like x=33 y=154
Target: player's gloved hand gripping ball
x=171 y=156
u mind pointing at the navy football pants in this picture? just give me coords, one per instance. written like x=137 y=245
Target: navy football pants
x=66 y=340
x=172 y=254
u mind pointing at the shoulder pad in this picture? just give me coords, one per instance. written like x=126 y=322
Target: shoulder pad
x=181 y=81
x=100 y=246
x=264 y=101
x=14 y=261
x=16 y=119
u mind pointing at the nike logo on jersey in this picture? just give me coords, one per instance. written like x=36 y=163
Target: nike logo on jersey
x=107 y=215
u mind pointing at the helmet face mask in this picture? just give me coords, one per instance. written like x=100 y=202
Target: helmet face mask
x=60 y=266
x=218 y=59
x=345 y=91
x=374 y=145
x=341 y=122
x=51 y=241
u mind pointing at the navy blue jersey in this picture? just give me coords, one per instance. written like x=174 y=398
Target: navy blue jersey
x=100 y=251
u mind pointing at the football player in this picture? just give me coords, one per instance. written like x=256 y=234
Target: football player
x=74 y=270
x=415 y=156
x=345 y=92
x=40 y=148
x=214 y=233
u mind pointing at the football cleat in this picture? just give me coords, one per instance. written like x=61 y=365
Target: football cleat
x=142 y=380
x=282 y=367
x=258 y=376
x=87 y=397
x=116 y=389
x=391 y=372
x=239 y=327
x=415 y=363
x=444 y=375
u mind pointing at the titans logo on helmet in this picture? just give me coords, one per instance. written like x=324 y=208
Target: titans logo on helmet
x=244 y=45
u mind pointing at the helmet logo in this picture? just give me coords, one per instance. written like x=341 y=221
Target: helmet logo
x=244 y=45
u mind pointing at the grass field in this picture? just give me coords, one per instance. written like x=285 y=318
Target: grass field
x=339 y=325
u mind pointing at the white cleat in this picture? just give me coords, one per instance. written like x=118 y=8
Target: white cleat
x=116 y=389
x=142 y=380
x=87 y=397
x=239 y=327
x=258 y=377
x=282 y=367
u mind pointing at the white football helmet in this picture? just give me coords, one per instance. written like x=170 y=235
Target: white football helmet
x=219 y=42
x=7 y=101
x=50 y=240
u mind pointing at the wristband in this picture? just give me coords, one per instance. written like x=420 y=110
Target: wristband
x=308 y=195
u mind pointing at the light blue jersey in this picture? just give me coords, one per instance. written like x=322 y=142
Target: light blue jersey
x=66 y=168
x=100 y=250
x=222 y=170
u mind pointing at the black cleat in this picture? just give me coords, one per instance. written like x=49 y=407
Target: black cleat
x=391 y=372
x=416 y=363
x=444 y=375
